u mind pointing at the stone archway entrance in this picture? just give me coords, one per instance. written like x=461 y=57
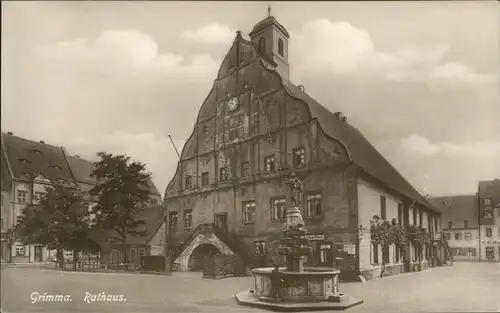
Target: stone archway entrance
x=210 y=240
x=197 y=257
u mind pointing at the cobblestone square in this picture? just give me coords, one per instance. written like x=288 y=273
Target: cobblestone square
x=464 y=287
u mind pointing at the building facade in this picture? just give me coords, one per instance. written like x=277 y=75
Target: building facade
x=489 y=220
x=28 y=167
x=254 y=128
x=460 y=225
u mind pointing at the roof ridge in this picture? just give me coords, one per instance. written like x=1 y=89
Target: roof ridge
x=69 y=165
x=4 y=152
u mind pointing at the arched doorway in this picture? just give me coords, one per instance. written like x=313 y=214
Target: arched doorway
x=198 y=255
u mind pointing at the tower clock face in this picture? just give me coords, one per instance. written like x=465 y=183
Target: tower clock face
x=232 y=104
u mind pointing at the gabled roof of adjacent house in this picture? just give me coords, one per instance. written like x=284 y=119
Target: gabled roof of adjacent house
x=28 y=159
x=491 y=189
x=152 y=216
x=457 y=209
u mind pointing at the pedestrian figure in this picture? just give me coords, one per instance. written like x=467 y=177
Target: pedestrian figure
x=277 y=282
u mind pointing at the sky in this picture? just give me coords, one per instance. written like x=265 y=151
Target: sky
x=419 y=79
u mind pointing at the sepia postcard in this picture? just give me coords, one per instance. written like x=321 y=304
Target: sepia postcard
x=236 y=156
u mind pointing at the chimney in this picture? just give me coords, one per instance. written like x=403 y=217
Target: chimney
x=10 y=133
x=301 y=87
x=41 y=141
x=338 y=115
x=77 y=156
x=344 y=119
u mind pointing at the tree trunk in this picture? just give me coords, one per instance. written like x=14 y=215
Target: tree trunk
x=60 y=257
x=75 y=258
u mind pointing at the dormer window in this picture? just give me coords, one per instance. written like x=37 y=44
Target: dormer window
x=38 y=152
x=57 y=168
x=487 y=202
x=280 y=47
x=262 y=44
x=23 y=161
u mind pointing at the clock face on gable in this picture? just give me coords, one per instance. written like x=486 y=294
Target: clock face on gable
x=232 y=104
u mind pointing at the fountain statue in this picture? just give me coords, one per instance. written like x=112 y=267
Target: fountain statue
x=294 y=287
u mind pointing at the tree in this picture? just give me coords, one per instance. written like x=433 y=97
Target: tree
x=56 y=221
x=123 y=192
x=384 y=233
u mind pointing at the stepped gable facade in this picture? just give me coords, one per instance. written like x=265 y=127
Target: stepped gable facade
x=255 y=126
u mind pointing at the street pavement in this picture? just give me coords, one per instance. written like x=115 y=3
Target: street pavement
x=464 y=287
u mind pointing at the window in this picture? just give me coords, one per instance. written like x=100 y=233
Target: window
x=24 y=161
x=19 y=250
x=490 y=253
x=262 y=44
x=278 y=210
x=449 y=225
x=22 y=196
x=249 y=212
x=397 y=253
x=299 y=157
x=142 y=252
x=86 y=208
x=204 y=178
x=173 y=221
x=468 y=236
x=415 y=217
x=324 y=253
x=488 y=202
x=39 y=195
x=489 y=232
x=223 y=174
x=313 y=205
x=189 y=181
x=152 y=201
x=260 y=247
x=471 y=252
x=458 y=236
x=487 y=214
x=269 y=164
x=447 y=236
x=1 y=223
x=400 y=214
x=188 y=219
x=280 y=47
x=466 y=224
x=383 y=209
x=245 y=169
x=420 y=218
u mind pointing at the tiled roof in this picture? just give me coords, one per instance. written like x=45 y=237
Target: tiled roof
x=491 y=189
x=362 y=152
x=457 y=209
x=153 y=217
x=29 y=158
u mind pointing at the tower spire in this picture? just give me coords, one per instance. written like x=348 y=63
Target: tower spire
x=269 y=11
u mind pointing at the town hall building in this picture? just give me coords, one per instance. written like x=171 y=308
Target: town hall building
x=254 y=128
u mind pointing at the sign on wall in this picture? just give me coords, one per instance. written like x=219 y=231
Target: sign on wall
x=491 y=242
x=314 y=237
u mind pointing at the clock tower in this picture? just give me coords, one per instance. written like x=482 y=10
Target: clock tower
x=271 y=39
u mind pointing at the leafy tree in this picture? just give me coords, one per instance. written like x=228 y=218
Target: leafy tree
x=384 y=234
x=56 y=221
x=123 y=192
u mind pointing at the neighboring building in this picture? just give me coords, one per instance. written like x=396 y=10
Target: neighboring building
x=489 y=220
x=254 y=124
x=460 y=225
x=28 y=167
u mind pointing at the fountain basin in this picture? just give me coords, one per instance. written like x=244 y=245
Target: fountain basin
x=313 y=289
x=313 y=284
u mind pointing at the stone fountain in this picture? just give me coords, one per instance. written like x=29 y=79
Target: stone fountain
x=295 y=287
